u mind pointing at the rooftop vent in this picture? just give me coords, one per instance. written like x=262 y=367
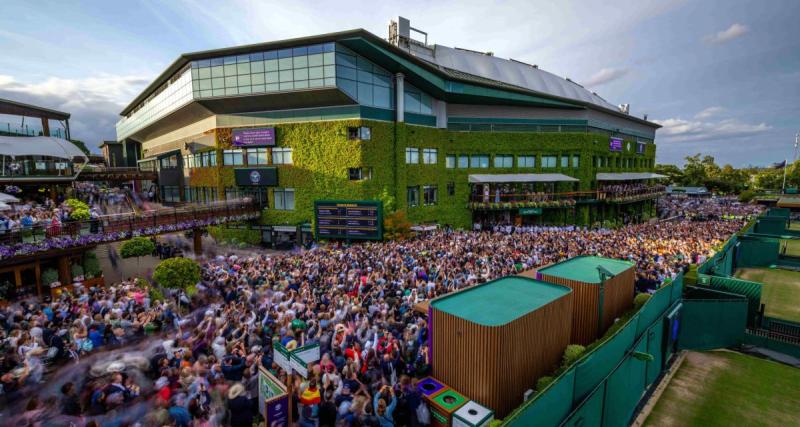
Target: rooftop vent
x=523 y=63
x=624 y=108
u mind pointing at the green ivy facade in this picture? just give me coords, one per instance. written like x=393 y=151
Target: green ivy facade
x=323 y=154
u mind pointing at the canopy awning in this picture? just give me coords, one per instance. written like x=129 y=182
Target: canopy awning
x=520 y=177
x=789 y=202
x=7 y=198
x=39 y=146
x=628 y=176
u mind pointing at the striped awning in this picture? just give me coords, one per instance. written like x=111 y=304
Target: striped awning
x=519 y=177
x=628 y=176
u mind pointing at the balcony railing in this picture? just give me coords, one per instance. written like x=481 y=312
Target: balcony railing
x=131 y=223
x=632 y=194
x=498 y=201
x=29 y=168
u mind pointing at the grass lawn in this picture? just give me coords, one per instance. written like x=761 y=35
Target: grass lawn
x=794 y=225
x=781 y=291
x=729 y=389
x=792 y=247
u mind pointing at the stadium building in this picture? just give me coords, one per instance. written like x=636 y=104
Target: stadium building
x=453 y=136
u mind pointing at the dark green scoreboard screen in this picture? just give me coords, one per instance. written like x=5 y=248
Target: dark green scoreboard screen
x=349 y=219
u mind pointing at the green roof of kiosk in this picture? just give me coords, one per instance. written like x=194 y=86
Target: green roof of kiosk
x=500 y=301
x=584 y=268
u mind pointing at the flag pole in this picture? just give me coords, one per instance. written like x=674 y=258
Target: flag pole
x=785 y=166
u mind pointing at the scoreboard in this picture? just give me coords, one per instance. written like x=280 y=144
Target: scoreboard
x=349 y=219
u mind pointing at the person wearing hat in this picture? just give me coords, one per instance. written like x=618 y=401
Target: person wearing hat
x=241 y=410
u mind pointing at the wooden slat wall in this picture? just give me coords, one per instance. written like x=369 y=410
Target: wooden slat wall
x=585 y=301
x=618 y=296
x=496 y=365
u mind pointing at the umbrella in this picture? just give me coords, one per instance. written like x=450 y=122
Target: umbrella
x=7 y=198
x=4 y=207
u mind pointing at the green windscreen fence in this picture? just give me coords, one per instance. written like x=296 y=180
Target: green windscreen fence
x=778 y=212
x=604 y=387
x=712 y=319
x=757 y=252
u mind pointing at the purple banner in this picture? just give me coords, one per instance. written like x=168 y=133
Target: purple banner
x=615 y=144
x=253 y=137
x=278 y=412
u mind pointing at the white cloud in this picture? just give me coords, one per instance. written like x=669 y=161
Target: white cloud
x=680 y=130
x=708 y=113
x=604 y=76
x=736 y=30
x=93 y=102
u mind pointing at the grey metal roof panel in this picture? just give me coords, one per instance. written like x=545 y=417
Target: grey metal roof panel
x=514 y=73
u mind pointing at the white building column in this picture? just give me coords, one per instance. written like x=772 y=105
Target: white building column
x=440 y=111
x=399 y=97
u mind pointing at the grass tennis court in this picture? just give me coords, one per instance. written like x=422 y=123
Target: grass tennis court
x=729 y=389
x=780 y=293
x=792 y=247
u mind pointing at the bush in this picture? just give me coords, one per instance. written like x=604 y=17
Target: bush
x=76 y=270
x=49 y=275
x=91 y=265
x=639 y=300
x=543 y=382
x=178 y=273
x=224 y=235
x=572 y=353
x=746 y=196
x=80 y=210
x=396 y=226
x=137 y=247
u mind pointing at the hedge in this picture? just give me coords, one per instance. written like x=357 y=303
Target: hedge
x=222 y=233
x=322 y=155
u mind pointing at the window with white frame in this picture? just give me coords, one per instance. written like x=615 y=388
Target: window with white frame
x=412 y=156
x=281 y=156
x=430 y=156
x=548 y=161
x=430 y=195
x=284 y=199
x=256 y=156
x=503 y=161
x=232 y=157
x=526 y=161
x=450 y=161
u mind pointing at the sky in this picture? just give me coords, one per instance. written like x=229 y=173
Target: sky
x=721 y=76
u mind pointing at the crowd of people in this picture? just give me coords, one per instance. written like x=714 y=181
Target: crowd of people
x=125 y=355
x=616 y=191
x=45 y=216
x=703 y=208
x=107 y=200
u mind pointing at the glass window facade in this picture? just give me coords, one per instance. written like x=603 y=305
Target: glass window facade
x=450 y=161
x=430 y=195
x=416 y=101
x=463 y=162
x=412 y=196
x=364 y=81
x=298 y=68
x=174 y=94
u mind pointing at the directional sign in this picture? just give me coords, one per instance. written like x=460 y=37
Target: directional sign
x=299 y=365
x=308 y=353
x=269 y=388
x=281 y=357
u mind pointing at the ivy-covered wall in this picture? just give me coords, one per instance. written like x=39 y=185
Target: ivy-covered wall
x=322 y=155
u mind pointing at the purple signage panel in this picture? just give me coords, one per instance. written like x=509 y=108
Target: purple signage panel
x=278 y=412
x=640 y=148
x=615 y=144
x=253 y=137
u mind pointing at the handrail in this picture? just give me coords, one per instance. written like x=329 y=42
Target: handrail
x=127 y=222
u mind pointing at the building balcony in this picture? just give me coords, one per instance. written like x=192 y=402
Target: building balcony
x=632 y=194
x=529 y=200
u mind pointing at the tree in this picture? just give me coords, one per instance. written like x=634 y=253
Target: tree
x=136 y=248
x=178 y=273
x=694 y=172
x=396 y=226
x=732 y=180
x=768 y=179
x=674 y=174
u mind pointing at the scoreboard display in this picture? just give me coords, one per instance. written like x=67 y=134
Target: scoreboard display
x=349 y=219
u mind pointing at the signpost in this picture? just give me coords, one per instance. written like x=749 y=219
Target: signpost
x=353 y=219
x=296 y=360
x=273 y=400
